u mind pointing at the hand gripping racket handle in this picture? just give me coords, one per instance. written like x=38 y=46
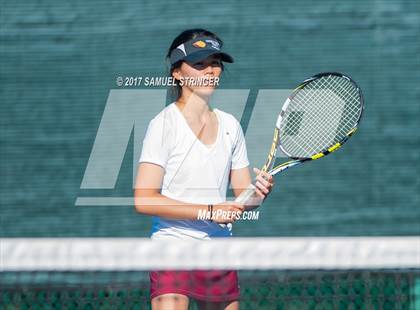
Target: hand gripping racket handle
x=242 y=198
x=250 y=190
x=246 y=194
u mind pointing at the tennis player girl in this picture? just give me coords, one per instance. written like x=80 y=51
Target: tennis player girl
x=191 y=152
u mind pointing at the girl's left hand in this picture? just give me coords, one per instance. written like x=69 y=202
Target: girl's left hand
x=264 y=183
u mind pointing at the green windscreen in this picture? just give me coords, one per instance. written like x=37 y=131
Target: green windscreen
x=60 y=61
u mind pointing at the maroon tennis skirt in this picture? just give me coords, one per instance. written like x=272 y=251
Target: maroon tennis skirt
x=212 y=286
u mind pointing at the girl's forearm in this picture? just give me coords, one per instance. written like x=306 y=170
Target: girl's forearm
x=162 y=206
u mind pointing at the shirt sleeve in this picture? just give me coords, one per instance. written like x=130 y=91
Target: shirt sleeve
x=239 y=156
x=155 y=148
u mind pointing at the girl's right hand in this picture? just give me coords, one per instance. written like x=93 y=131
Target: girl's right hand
x=227 y=212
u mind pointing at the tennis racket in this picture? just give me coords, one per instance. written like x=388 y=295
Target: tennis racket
x=316 y=120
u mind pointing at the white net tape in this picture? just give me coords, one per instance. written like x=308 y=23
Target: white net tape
x=70 y=254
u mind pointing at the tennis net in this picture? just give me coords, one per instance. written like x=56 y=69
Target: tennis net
x=274 y=273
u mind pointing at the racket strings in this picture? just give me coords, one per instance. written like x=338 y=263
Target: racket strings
x=315 y=119
x=351 y=113
x=345 y=127
x=318 y=129
x=333 y=110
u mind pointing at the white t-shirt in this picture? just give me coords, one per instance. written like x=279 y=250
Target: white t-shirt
x=194 y=172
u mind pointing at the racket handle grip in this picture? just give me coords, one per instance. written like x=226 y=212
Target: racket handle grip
x=242 y=198
x=246 y=194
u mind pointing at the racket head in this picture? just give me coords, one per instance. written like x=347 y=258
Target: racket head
x=319 y=116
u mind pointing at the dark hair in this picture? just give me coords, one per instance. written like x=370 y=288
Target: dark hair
x=182 y=38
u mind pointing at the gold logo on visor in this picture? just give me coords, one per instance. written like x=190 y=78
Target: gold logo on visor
x=199 y=44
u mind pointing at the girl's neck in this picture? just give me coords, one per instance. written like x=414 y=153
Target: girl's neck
x=194 y=106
